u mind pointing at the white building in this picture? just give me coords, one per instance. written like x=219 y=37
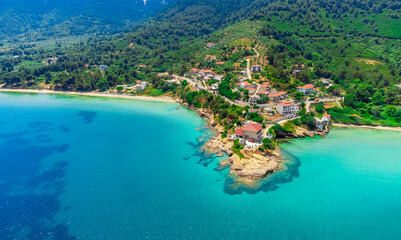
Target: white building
x=323 y=122
x=218 y=77
x=286 y=108
x=308 y=89
x=257 y=68
x=103 y=67
x=242 y=78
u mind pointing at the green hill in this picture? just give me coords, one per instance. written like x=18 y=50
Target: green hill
x=26 y=20
x=355 y=43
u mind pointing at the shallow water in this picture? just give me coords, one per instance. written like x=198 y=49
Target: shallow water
x=97 y=168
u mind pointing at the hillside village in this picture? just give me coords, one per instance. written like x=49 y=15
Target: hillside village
x=264 y=106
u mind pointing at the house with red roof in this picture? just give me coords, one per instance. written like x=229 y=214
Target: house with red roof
x=263 y=93
x=286 y=108
x=265 y=86
x=251 y=131
x=251 y=90
x=206 y=72
x=276 y=97
x=308 y=89
x=194 y=71
x=210 y=58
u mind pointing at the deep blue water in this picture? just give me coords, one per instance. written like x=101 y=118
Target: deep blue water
x=95 y=168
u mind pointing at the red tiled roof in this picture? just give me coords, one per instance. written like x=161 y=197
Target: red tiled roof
x=220 y=63
x=250 y=89
x=327 y=115
x=252 y=127
x=263 y=92
x=277 y=94
x=286 y=103
x=329 y=106
x=309 y=86
x=239 y=131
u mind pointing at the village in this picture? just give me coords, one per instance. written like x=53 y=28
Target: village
x=255 y=92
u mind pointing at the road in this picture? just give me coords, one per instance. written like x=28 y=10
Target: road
x=197 y=86
x=248 y=65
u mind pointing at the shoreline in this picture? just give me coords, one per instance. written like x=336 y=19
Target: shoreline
x=91 y=94
x=341 y=125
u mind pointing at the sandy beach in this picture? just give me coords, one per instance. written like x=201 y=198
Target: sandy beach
x=367 y=127
x=91 y=94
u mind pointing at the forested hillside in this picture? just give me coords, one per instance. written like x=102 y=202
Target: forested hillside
x=356 y=44
x=27 y=20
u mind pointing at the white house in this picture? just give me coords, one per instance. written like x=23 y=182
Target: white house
x=308 y=89
x=251 y=90
x=257 y=68
x=242 y=78
x=194 y=71
x=287 y=108
x=323 y=122
x=218 y=77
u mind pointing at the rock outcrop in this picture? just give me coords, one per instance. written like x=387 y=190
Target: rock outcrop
x=252 y=166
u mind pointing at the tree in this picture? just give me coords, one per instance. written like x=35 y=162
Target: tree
x=268 y=144
x=378 y=98
x=298 y=96
x=309 y=121
x=319 y=108
x=102 y=84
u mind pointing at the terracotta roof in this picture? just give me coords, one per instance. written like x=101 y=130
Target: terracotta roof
x=327 y=115
x=138 y=81
x=238 y=131
x=265 y=84
x=256 y=66
x=194 y=69
x=287 y=103
x=277 y=94
x=329 y=106
x=252 y=127
x=309 y=86
x=263 y=92
x=220 y=63
x=250 y=89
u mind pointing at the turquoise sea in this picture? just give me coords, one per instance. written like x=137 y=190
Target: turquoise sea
x=98 y=168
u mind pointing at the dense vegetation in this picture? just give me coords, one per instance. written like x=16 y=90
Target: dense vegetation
x=354 y=43
x=39 y=20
